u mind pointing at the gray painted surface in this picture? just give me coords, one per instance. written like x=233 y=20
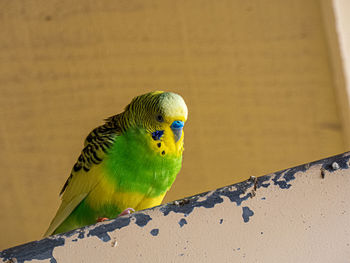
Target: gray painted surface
x=301 y=214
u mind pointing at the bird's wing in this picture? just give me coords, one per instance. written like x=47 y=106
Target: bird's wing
x=85 y=174
x=63 y=212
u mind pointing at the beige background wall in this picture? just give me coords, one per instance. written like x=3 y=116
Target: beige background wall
x=342 y=18
x=256 y=76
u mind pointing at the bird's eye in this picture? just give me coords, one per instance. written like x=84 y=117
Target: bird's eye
x=160 y=118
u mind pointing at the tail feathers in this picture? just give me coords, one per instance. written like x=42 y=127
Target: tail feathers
x=63 y=212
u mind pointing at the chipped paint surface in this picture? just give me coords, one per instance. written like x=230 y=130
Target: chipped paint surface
x=303 y=211
x=247 y=213
x=182 y=222
x=154 y=232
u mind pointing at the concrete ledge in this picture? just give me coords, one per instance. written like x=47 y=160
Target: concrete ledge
x=300 y=214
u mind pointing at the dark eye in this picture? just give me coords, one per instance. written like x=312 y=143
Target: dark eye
x=160 y=118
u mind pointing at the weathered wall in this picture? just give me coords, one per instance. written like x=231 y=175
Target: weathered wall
x=295 y=215
x=255 y=74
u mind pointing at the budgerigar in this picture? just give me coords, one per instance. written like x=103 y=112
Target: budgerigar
x=131 y=161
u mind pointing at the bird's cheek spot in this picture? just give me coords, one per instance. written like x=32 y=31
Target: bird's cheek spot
x=157 y=135
x=163 y=152
x=159 y=145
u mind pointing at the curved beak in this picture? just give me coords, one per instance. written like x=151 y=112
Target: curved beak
x=177 y=127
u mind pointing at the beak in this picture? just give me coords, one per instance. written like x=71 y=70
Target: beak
x=177 y=127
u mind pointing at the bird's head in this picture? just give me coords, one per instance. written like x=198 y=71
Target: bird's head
x=161 y=114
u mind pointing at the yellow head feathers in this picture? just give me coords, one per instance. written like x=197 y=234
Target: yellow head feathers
x=173 y=106
x=156 y=109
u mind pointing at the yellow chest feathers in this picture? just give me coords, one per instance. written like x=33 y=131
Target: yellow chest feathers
x=166 y=145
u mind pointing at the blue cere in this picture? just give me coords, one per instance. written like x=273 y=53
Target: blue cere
x=177 y=125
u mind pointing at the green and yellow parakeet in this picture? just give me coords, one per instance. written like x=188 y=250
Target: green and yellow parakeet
x=129 y=162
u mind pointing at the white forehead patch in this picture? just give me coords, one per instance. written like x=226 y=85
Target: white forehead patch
x=174 y=105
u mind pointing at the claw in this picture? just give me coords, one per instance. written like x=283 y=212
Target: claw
x=101 y=219
x=127 y=211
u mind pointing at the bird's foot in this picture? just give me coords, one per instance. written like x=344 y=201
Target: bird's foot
x=101 y=219
x=127 y=211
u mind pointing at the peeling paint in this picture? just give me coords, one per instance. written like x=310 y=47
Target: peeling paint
x=154 y=232
x=237 y=194
x=211 y=200
x=81 y=235
x=182 y=222
x=283 y=178
x=40 y=250
x=102 y=231
x=247 y=213
x=142 y=219
x=343 y=163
